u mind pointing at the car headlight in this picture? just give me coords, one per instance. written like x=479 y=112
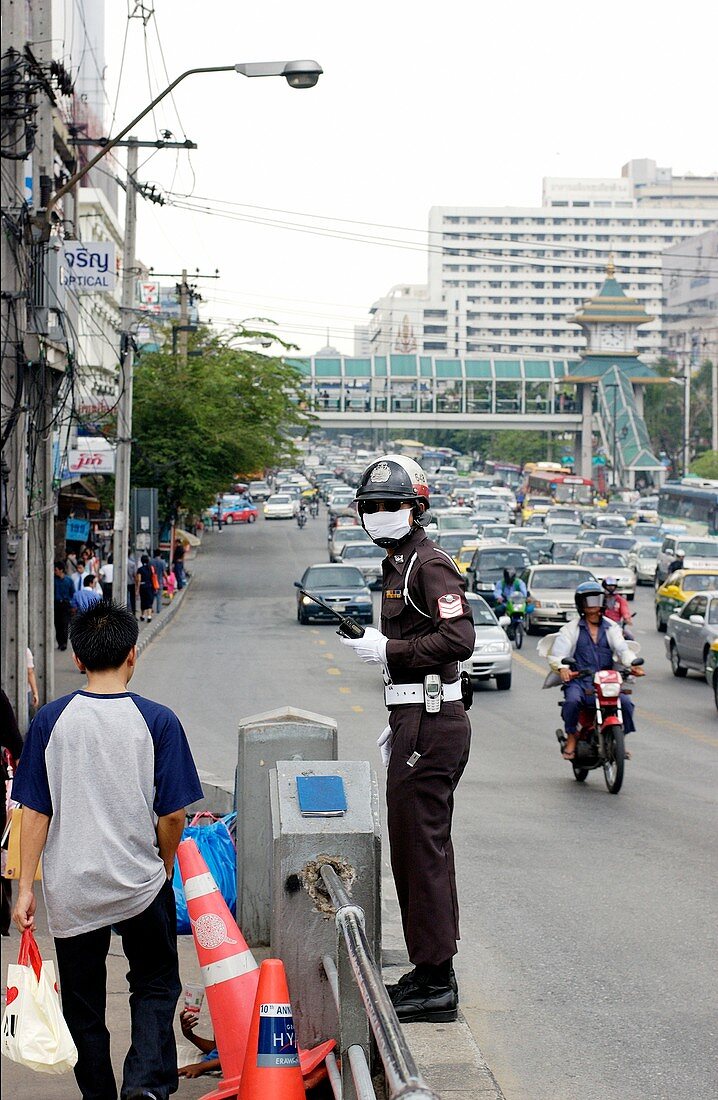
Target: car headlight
x=549 y=605
x=493 y=647
x=306 y=600
x=610 y=691
x=363 y=599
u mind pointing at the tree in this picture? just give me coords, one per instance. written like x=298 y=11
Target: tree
x=706 y=465
x=197 y=426
x=663 y=412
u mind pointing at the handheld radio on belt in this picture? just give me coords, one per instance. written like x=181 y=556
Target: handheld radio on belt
x=349 y=627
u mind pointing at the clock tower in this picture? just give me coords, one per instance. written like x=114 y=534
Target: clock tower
x=610 y=380
x=610 y=320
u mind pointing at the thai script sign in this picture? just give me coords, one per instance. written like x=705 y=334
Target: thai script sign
x=90 y=266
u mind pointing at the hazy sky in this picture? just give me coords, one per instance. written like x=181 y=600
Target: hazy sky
x=420 y=104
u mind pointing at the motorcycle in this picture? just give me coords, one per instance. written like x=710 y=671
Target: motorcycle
x=301 y=518
x=515 y=612
x=314 y=508
x=601 y=737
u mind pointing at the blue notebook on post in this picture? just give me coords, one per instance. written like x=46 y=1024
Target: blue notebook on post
x=321 y=795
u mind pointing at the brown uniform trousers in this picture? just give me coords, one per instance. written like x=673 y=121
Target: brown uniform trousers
x=430 y=629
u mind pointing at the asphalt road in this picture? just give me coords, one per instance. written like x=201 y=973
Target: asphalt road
x=588 y=963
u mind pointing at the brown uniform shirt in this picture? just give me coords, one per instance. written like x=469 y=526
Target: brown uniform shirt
x=432 y=629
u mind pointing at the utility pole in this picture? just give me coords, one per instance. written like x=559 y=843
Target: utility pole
x=13 y=568
x=714 y=403
x=41 y=386
x=123 y=455
x=184 y=318
x=687 y=415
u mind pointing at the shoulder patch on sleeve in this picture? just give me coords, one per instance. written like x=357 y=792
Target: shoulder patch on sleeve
x=450 y=606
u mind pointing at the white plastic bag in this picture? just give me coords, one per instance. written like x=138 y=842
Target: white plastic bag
x=34 y=1032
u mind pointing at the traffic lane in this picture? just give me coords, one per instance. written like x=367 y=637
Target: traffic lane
x=585 y=916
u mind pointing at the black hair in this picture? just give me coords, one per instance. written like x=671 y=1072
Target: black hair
x=87 y=581
x=102 y=636
x=145 y=560
x=60 y=565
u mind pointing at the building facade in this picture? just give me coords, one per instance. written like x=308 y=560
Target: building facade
x=690 y=289
x=506 y=280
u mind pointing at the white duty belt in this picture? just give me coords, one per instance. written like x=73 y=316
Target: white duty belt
x=397 y=695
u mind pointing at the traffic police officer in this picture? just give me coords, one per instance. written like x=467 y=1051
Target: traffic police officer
x=427 y=629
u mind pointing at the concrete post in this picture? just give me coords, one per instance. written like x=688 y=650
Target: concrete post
x=285 y=734
x=303 y=928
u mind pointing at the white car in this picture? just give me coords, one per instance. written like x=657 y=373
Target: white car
x=365 y=556
x=281 y=506
x=609 y=563
x=491 y=659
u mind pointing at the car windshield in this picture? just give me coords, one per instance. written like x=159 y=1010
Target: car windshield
x=481 y=612
x=350 y=534
x=565 y=528
x=647 y=531
x=362 y=551
x=334 y=576
x=451 y=543
x=648 y=553
x=494 y=530
x=696 y=548
x=557 y=578
x=533 y=502
x=699 y=582
x=617 y=543
x=501 y=559
x=279 y=500
x=452 y=523
x=600 y=559
x=564 y=552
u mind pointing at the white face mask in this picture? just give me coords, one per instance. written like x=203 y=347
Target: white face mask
x=388 y=525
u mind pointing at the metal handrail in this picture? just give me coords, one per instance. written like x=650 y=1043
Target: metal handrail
x=402 y=1076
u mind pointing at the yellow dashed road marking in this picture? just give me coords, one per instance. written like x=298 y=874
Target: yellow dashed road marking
x=345 y=690
x=358 y=710
x=334 y=672
x=329 y=656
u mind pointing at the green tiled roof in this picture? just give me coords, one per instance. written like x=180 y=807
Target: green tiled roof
x=596 y=366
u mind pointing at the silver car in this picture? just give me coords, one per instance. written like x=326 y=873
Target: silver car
x=691 y=631
x=551 y=594
x=341 y=535
x=365 y=556
x=642 y=560
x=491 y=659
x=609 y=563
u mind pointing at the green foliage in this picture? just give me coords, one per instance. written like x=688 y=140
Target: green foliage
x=663 y=412
x=505 y=446
x=197 y=426
x=706 y=465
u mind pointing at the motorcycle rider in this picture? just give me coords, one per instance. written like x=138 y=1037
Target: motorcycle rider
x=593 y=642
x=508 y=586
x=426 y=630
x=615 y=606
x=302 y=512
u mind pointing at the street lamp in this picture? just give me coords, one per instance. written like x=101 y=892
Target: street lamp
x=298 y=74
x=615 y=387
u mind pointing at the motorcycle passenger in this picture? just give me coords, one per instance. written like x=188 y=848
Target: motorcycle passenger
x=593 y=642
x=615 y=606
x=506 y=589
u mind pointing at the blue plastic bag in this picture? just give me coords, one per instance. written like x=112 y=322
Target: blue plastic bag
x=218 y=851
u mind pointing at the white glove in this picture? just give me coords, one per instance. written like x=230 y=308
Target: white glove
x=384 y=743
x=372 y=647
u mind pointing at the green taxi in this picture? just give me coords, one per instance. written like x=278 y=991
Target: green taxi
x=679 y=587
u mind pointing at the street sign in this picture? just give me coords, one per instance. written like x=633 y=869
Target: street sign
x=77 y=530
x=90 y=266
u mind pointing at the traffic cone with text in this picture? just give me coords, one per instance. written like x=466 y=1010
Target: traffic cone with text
x=228 y=967
x=272 y=1069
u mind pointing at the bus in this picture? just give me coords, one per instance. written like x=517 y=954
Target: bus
x=548 y=467
x=563 y=488
x=508 y=472
x=692 y=502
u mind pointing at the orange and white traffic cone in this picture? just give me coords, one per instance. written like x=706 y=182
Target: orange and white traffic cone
x=271 y=1066
x=229 y=969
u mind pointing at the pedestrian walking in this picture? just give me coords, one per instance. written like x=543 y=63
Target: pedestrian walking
x=159 y=565
x=132 y=584
x=64 y=591
x=107 y=572
x=426 y=630
x=89 y=593
x=145 y=582
x=104 y=780
x=178 y=560
x=79 y=575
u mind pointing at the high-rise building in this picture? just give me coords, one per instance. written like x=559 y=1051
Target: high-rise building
x=506 y=279
x=690 y=288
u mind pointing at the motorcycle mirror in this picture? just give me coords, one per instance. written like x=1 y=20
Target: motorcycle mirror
x=504 y=620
